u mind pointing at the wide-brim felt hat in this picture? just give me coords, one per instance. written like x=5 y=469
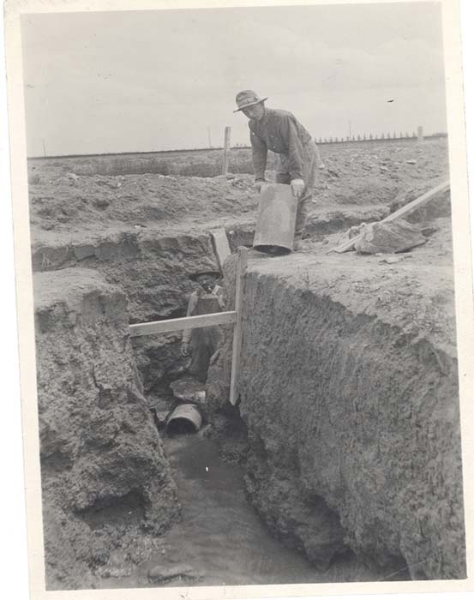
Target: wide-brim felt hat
x=247 y=98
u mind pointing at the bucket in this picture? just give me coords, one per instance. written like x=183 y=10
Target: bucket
x=185 y=418
x=275 y=229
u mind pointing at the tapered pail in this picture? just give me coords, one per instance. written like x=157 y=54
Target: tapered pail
x=275 y=228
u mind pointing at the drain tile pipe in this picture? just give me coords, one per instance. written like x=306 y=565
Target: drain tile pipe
x=184 y=419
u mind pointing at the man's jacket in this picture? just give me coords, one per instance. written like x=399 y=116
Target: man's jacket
x=280 y=132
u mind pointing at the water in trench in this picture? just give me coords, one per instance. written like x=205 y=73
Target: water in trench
x=220 y=540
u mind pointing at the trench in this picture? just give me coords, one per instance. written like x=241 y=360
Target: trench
x=220 y=538
x=223 y=536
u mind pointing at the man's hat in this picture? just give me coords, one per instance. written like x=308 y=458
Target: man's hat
x=247 y=98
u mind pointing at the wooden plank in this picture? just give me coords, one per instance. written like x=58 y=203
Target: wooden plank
x=401 y=212
x=225 y=161
x=419 y=202
x=237 y=342
x=169 y=325
x=221 y=245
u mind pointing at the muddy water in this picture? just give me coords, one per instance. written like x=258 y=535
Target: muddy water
x=220 y=540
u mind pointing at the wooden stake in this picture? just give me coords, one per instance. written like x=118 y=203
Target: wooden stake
x=225 y=162
x=237 y=342
x=401 y=212
x=221 y=245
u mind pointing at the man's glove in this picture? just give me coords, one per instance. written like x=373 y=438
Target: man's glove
x=259 y=185
x=184 y=348
x=297 y=187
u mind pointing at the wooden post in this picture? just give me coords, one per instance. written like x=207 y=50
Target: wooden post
x=225 y=161
x=237 y=343
x=420 y=134
x=221 y=246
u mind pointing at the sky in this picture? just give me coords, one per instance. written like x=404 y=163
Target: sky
x=140 y=81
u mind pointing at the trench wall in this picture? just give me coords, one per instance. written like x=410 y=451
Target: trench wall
x=103 y=471
x=153 y=271
x=352 y=417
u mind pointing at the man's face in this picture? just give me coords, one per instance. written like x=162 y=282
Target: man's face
x=207 y=282
x=255 y=112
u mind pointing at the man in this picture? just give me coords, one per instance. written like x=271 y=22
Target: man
x=297 y=156
x=203 y=341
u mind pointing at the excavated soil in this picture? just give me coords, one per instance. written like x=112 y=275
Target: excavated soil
x=349 y=380
x=356 y=175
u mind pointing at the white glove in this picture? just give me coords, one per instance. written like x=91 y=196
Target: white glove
x=297 y=187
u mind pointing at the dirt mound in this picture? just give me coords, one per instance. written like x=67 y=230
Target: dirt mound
x=356 y=174
x=374 y=172
x=63 y=202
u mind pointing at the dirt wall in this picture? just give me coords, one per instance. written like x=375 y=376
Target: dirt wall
x=104 y=474
x=153 y=271
x=348 y=388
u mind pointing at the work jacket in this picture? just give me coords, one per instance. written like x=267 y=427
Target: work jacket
x=280 y=132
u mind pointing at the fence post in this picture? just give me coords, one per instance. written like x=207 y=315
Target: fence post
x=420 y=133
x=225 y=161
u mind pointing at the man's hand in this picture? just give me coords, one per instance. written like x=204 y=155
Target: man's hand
x=259 y=185
x=297 y=187
x=321 y=166
x=185 y=348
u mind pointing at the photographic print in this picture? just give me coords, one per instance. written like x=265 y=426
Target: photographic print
x=235 y=233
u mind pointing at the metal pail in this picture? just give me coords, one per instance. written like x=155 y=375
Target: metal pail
x=276 y=218
x=185 y=418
